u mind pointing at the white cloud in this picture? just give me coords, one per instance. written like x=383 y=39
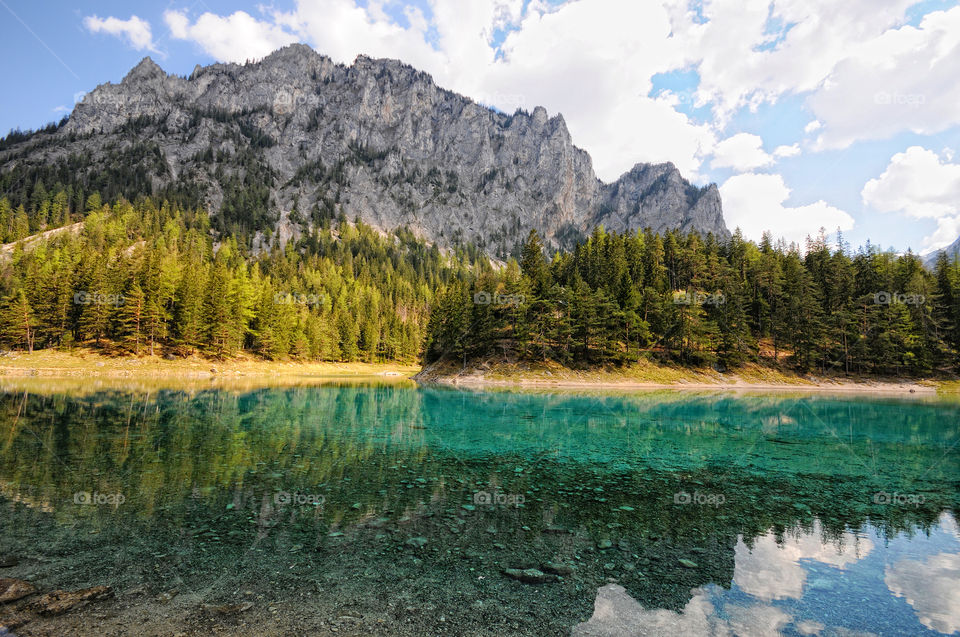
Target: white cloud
x=134 y=30
x=755 y=203
x=813 y=126
x=917 y=182
x=904 y=79
x=235 y=38
x=930 y=587
x=741 y=152
x=593 y=61
x=771 y=569
x=753 y=51
x=923 y=185
x=787 y=151
x=616 y=613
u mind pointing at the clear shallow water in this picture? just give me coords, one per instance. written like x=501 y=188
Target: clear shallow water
x=391 y=509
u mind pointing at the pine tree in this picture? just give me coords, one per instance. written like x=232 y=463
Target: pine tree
x=131 y=318
x=18 y=324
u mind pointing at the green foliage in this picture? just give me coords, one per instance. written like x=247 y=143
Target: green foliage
x=150 y=280
x=619 y=297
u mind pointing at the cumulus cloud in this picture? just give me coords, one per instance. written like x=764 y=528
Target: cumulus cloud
x=771 y=570
x=922 y=184
x=787 y=151
x=903 y=79
x=135 y=31
x=616 y=613
x=755 y=203
x=749 y=52
x=930 y=587
x=917 y=182
x=234 y=38
x=741 y=152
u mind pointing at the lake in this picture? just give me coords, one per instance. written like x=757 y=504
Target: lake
x=392 y=509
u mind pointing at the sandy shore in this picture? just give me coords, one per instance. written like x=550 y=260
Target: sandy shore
x=88 y=369
x=827 y=386
x=694 y=380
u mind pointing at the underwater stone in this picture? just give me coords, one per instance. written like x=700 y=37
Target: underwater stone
x=529 y=575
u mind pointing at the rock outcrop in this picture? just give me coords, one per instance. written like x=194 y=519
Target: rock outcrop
x=376 y=140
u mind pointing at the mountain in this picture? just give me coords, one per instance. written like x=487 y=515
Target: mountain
x=278 y=144
x=952 y=250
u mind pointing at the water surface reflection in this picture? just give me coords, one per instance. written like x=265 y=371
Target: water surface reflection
x=303 y=506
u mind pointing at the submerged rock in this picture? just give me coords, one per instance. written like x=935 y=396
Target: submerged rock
x=558 y=568
x=529 y=575
x=14 y=589
x=228 y=609
x=61 y=601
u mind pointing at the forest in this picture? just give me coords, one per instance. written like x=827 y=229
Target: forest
x=141 y=278
x=698 y=301
x=152 y=278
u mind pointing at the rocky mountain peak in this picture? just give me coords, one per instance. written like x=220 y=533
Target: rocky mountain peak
x=145 y=71
x=275 y=146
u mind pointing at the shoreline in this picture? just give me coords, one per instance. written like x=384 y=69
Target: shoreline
x=653 y=377
x=85 y=368
x=908 y=387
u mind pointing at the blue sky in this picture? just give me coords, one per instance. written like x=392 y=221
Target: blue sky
x=806 y=113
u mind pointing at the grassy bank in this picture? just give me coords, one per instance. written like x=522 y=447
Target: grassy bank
x=647 y=374
x=84 y=368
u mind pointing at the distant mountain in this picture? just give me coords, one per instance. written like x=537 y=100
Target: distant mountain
x=952 y=250
x=280 y=144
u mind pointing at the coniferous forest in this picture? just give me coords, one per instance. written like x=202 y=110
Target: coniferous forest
x=147 y=278
x=618 y=297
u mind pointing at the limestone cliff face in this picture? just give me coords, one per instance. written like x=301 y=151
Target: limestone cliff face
x=377 y=139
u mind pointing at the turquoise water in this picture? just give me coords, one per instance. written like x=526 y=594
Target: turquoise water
x=400 y=510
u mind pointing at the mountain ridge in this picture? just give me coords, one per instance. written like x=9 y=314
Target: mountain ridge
x=282 y=143
x=952 y=251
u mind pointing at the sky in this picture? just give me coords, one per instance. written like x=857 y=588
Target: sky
x=808 y=114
